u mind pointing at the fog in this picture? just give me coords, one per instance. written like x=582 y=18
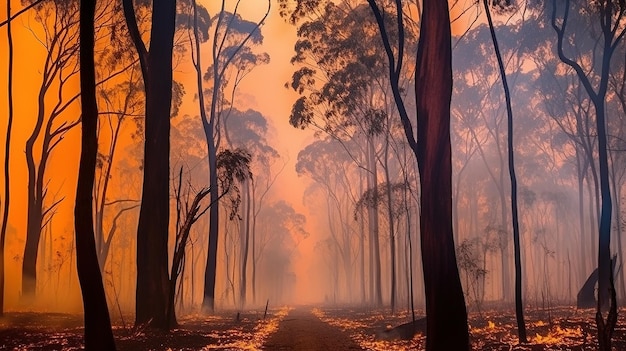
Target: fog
x=326 y=210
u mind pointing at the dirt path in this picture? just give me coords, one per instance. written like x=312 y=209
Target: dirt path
x=302 y=331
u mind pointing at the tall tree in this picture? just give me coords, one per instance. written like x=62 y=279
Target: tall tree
x=121 y=101
x=611 y=17
x=247 y=130
x=98 y=333
x=345 y=95
x=59 y=20
x=446 y=314
x=231 y=35
x=519 y=307
x=7 y=153
x=152 y=230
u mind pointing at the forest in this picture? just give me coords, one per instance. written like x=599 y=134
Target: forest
x=313 y=175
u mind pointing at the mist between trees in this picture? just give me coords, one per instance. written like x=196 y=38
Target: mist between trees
x=194 y=186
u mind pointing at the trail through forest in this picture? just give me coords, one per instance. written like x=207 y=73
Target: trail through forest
x=302 y=330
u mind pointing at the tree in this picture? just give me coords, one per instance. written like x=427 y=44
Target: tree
x=445 y=305
x=98 y=333
x=187 y=213
x=247 y=130
x=7 y=153
x=344 y=94
x=233 y=165
x=611 y=16
x=60 y=20
x=152 y=230
x=232 y=33
x=122 y=102
x=519 y=307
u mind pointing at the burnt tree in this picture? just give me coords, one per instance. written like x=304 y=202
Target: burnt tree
x=98 y=333
x=152 y=230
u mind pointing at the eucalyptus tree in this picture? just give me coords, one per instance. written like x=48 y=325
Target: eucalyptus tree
x=59 y=21
x=519 y=306
x=481 y=114
x=573 y=119
x=7 y=152
x=446 y=313
x=152 y=231
x=618 y=160
x=248 y=130
x=232 y=37
x=98 y=333
x=121 y=108
x=609 y=18
x=233 y=165
x=344 y=94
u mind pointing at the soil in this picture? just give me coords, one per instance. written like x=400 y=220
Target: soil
x=303 y=331
x=307 y=328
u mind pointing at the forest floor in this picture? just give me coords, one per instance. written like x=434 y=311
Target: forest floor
x=308 y=328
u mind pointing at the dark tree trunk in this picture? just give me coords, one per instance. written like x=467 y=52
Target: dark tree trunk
x=152 y=231
x=445 y=305
x=98 y=334
x=519 y=307
x=7 y=154
x=208 y=301
x=246 y=243
x=610 y=16
x=31 y=248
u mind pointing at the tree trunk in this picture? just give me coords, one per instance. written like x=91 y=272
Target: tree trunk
x=7 y=154
x=246 y=244
x=445 y=305
x=376 y=288
x=98 y=333
x=392 y=233
x=152 y=230
x=208 y=301
x=519 y=307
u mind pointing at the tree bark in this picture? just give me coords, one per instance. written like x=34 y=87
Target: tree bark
x=7 y=154
x=445 y=305
x=152 y=230
x=519 y=307
x=98 y=333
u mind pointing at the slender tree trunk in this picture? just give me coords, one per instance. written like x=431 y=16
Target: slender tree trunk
x=392 y=233
x=7 y=154
x=245 y=246
x=98 y=333
x=208 y=301
x=211 y=134
x=610 y=14
x=604 y=242
x=377 y=298
x=519 y=306
x=582 y=274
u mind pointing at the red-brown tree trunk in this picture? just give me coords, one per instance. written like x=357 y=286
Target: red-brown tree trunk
x=445 y=304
